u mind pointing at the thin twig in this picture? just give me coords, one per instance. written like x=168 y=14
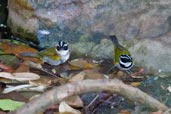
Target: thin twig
x=39 y=67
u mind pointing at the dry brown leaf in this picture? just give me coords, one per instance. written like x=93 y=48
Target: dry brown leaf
x=159 y=112
x=93 y=74
x=24 y=76
x=5 y=80
x=80 y=76
x=74 y=101
x=120 y=74
x=6 y=68
x=81 y=63
x=24 y=67
x=135 y=84
x=41 y=82
x=64 y=108
x=18 y=49
x=71 y=67
x=124 y=112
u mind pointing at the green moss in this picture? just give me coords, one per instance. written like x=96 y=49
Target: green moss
x=25 y=34
x=21 y=33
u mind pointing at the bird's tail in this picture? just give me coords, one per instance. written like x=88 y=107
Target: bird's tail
x=29 y=54
x=114 y=39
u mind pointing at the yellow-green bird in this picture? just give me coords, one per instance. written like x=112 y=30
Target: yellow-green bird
x=122 y=57
x=54 y=55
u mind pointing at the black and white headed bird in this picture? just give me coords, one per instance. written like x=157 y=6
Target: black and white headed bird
x=54 y=55
x=122 y=57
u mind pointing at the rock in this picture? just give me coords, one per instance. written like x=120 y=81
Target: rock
x=70 y=19
x=22 y=20
x=82 y=48
x=154 y=25
x=152 y=54
x=103 y=50
x=86 y=25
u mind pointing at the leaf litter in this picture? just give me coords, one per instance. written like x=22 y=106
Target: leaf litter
x=30 y=74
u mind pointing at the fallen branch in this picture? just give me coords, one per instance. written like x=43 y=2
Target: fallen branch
x=58 y=94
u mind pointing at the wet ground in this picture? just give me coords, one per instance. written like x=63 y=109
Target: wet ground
x=152 y=84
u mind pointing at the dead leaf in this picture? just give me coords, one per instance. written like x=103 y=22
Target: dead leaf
x=169 y=88
x=14 y=96
x=81 y=63
x=159 y=112
x=24 y=87
x=93 y=74
x=15 y=88
x=64 y=108
x=35 y=65
x=139 y=72
x=120 y=74
x=46 y=81
x=5 y=80
x=71 y=67
x=24 y=76
x=80 y=76
x=59 y=81
x=135 y=84
x=36 y=89
x=124 y=112
x=18 y=49
x=24 y=67
x=74 y=101
x=9 y=62
x=6 y=68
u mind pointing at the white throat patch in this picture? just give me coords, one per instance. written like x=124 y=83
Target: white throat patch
x=64 y=54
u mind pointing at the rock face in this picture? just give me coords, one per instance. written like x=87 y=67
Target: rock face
x=142 y=26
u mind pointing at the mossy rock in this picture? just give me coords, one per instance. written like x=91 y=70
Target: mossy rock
x=22 y=33
x=25 y=4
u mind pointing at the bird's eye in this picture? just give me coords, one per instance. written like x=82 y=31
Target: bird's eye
x=58 y=48
x=65 y=47
x=124 y=60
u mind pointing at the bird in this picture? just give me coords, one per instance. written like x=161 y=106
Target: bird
x=122 y=57
x=55 y=56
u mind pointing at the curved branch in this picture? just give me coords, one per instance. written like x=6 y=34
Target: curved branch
x=58 y=94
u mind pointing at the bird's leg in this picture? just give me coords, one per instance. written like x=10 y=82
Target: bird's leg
x=108 y=71
x=128 y=72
